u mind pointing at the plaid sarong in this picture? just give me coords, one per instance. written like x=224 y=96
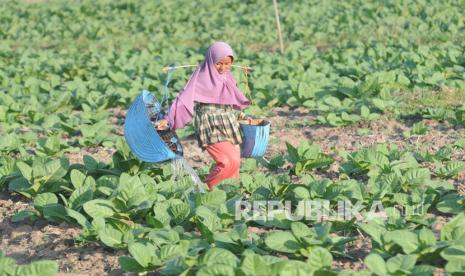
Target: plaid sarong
x=215 y=123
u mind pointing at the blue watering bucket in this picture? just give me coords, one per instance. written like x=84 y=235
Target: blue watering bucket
x=143 y=140
x=255 y=139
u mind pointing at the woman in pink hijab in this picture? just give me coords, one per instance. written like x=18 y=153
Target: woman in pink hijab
x=212 y=98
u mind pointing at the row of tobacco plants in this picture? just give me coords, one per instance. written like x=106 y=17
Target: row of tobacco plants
x=167 y=227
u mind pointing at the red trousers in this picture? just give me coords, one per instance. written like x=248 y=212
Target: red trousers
x=228 y=162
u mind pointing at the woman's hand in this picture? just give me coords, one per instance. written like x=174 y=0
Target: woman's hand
x=162 y=124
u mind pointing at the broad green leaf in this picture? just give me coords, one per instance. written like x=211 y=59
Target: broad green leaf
x=20 y=185
x=426 y=237
x=25 y=169
x=320 y=257
x=179 y=211
x=421 y=270
x=374 y=230
x=90 y=163
x=364 y=112
x=44 y=199
x=254 y=264
x=38 y=268
x=454 y=253
x=99 y=208
x=402 y=263
x=300 y=230
x=175 y=266
x=332 y=101
x=80 y=196
x=38 y=168
x=169 y=251
x=216 y=270
x=77 y=178
x=451 y=169
x=213 y=199
x=454 y=229
x=111 y=237
x=142 y=253
x=280 y=219
x=129 y=264
x=293 y=155
x=219 y=256
x=322 y=230
x=301 y=193
x=98 y=224
x=376 y=264
x=455 y=268
x=239 y=232
x=419 y=128
x=55 y=212
x=23 y=215
x=7 y=265
x=417 y=176
x=405 y=239
x=451 y=203
x=460 y=144
x=208 y=219
x=80 y=218
x=163 y=236
x=282 y=241
x=56 y=169
x=291 y=267
x=161 y=218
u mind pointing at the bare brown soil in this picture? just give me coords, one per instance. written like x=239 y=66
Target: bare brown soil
x=41 y=240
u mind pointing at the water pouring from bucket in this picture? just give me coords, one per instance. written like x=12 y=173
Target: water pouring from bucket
x=181 y=167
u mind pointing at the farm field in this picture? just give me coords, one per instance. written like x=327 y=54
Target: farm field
x=366 y=108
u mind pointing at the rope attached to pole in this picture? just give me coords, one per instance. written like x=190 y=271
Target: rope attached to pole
x=247 y=88
x=165 y=86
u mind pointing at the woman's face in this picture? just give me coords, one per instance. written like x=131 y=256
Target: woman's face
x=224 y=65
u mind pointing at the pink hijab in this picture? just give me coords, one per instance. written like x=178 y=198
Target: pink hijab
x=206 y=85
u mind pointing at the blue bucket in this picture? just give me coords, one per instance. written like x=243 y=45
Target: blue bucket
x=255 y=139
x=140 y=134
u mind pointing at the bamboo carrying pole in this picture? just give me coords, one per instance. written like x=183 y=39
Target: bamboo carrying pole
x=278 y=25
x=246 y=70
x=167 y=68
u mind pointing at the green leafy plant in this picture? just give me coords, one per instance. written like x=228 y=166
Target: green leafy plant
x=417 y=129
x=450 y=169
x=8 y=267
x=43 y=175
x=307 y=156
x=303 y=240
x=397 y=265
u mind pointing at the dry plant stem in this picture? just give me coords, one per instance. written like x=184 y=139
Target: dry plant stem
x=363 y=237
x=278 y=26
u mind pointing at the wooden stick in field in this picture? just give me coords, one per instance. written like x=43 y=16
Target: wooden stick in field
x=278 y=25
